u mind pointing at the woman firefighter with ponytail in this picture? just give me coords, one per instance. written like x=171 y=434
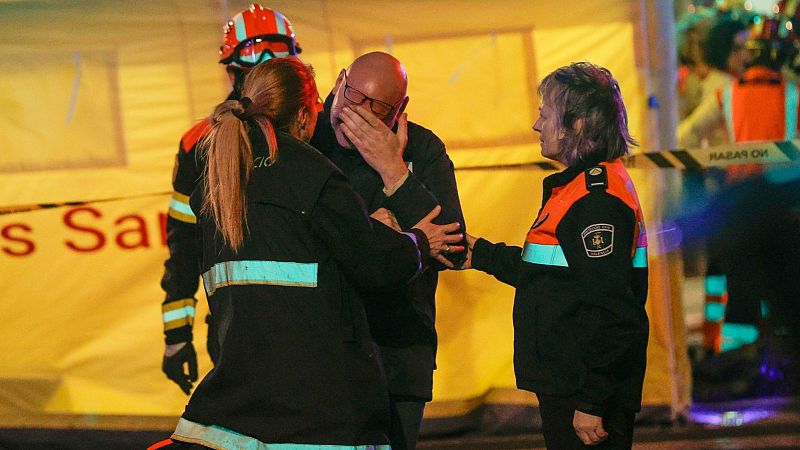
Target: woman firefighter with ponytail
x=284 y=242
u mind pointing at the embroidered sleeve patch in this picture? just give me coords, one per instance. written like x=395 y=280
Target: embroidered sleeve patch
x=598 y=240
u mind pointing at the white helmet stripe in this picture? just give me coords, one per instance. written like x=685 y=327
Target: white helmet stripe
x=238 y=24
x=280 y=22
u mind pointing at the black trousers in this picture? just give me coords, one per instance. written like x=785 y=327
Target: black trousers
x=406 y=420
x=557 y=414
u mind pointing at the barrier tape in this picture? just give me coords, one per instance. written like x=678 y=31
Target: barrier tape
x=721 y=156
x=695 y=159
x=784 y=152
x=5 y=210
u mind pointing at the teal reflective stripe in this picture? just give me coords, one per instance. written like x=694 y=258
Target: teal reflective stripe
x=181 y=207
x=278 y=273
x=186 y=311
x=716 y=285
x=548 y=255
x=218 y=437
x=727 y=109
x=553 y=255
x=714 y=311
x=764 y=309
x=735 y=335
x=790 y=113
x=280 y=22
x=241 y=31
x=640 y=257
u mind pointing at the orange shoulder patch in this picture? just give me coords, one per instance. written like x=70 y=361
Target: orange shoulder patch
x=193 y=136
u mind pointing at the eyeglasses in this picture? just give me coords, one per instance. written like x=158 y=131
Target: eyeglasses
x=352 y=94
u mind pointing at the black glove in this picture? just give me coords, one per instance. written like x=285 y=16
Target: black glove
x=173 y=367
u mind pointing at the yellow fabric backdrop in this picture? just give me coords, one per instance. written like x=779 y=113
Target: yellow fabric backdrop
x=96 y=95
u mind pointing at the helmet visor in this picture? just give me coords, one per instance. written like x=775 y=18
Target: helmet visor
x=254 y=51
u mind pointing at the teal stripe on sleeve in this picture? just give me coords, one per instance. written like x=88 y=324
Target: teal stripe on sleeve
x=548 y=255
x=640 y=257
x=181 y=207
x=180 y=313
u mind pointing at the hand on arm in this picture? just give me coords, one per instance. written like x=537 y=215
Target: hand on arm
x=387 y=218
x=470 y=246
x=440 y=237
x=381 y=148
x=370 y=252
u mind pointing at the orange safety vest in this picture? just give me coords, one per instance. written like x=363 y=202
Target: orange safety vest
x=761 y=106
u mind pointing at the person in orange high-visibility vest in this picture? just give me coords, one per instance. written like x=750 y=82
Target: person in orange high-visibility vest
x=762 y=105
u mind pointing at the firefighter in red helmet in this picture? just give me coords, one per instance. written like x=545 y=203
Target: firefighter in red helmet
x=251 y=37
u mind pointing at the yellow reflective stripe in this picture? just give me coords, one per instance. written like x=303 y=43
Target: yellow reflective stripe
x=178 y=313
x=179 y=208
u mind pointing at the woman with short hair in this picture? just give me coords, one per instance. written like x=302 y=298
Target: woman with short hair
x=581 y=279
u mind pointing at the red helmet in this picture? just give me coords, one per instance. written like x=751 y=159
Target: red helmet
x=256 y=35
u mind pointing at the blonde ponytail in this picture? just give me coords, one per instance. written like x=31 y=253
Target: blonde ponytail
x=273 y=94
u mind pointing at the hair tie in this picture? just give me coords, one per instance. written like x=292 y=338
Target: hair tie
x=246 y=102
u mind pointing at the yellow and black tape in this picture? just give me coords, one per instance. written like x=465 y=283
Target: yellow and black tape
x=764 y=153
x=35 y=207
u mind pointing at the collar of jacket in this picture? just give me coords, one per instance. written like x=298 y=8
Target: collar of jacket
x=567 y=175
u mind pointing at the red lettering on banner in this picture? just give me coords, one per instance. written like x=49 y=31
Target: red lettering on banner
x=68 y=221
x=140 y=229
x=29 y=246
x=162 y=226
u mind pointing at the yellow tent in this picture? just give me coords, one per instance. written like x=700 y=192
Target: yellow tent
x=96 y=94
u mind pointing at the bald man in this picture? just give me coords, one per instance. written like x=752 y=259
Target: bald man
x=403 y=172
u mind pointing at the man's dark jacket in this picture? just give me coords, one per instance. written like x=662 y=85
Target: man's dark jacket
x=402 y=317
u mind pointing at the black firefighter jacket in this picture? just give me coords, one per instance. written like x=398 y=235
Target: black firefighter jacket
x=402 y=317
x=296 y=362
